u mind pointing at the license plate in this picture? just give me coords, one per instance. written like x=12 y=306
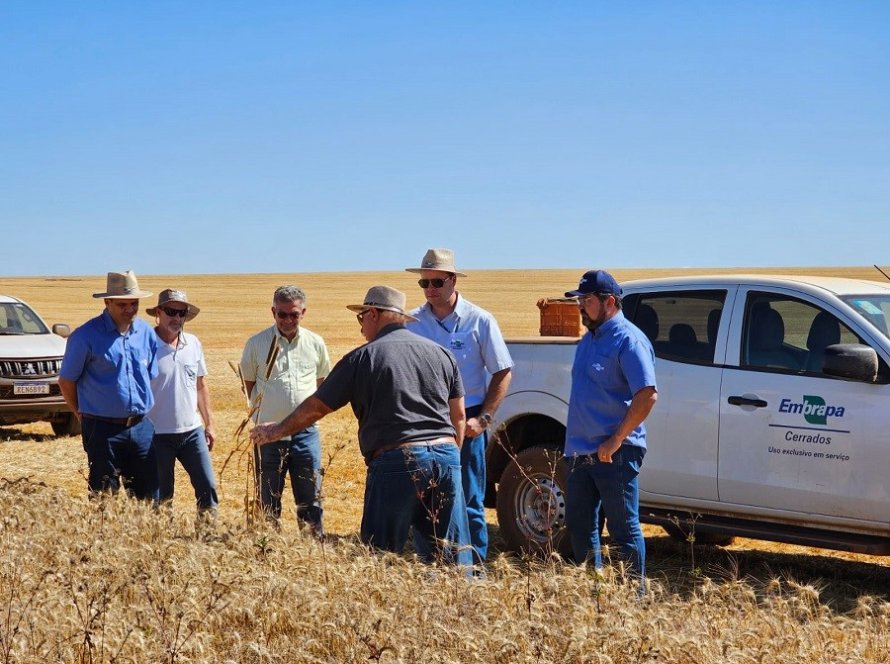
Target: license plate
x=30 y=388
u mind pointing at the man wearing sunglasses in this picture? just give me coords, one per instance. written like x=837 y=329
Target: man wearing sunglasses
x=106 y=381
x=181 y=415
x=281 y=366
x=474 y=338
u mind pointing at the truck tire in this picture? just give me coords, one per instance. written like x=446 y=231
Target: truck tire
x=531 y=503
x=68 y=425
x=711 y=539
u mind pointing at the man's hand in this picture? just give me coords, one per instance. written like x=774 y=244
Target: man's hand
x=264 y=433
x=606 y=449
x=475 y=427
x=210 y=435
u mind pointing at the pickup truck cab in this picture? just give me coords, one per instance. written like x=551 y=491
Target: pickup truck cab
x=772 y=422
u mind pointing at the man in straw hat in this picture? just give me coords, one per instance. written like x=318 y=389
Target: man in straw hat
x=106 y=380
x=473 y=336
x=181 y=415
x=281 y=366
x=408 y=397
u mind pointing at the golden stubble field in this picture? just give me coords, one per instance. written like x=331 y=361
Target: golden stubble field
x=112 y=582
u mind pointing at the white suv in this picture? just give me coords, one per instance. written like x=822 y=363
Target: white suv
x=30 y=359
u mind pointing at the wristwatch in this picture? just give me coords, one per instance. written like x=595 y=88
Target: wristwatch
x=485 y=417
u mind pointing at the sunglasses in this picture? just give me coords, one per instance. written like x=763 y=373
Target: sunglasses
x=360 y=317
x=175 y=312
x=283 y=315
x=435 y=283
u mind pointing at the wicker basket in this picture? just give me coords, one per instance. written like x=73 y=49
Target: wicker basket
x=560 y=317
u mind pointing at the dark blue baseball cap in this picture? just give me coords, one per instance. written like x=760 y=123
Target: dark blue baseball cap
x=596 y=281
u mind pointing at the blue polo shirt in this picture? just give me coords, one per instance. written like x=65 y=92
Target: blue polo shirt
x=611 y=365
x=473 y=337
x=113 y=371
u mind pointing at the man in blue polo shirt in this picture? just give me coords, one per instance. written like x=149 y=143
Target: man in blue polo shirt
x=613 y=391
x=106 y=380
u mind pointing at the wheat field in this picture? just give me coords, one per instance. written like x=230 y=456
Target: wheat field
x=114 y=581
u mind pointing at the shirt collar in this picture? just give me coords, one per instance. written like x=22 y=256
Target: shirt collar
x=609 y=324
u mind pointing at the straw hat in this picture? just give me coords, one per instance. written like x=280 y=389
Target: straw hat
x=383 y=297
x=437 y=259
x=169 y=295
x=122 y=286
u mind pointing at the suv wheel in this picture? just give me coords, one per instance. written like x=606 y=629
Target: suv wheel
x=68 y=425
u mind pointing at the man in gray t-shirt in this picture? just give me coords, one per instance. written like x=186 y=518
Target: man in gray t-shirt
x=407 y=395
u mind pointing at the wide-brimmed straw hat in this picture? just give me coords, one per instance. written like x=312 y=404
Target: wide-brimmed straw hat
x=383 y=297
x=122 y=286
x=169 y=295
x=437 y=259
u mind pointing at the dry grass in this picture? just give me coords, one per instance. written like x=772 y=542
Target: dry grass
x=112 y=581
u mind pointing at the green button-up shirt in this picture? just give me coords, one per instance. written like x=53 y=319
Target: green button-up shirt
x=294 y=375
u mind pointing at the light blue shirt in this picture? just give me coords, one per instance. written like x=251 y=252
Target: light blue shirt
x=473 y=337
x=113 y=371
x=611 y=365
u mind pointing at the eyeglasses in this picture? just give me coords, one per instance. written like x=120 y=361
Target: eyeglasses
x=175 y=312
x=283 y=315
x=360 y=317
x=435 y=283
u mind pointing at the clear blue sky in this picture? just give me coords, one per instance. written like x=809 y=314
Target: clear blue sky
x=216 y=136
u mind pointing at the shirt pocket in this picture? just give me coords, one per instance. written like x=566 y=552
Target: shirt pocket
x=600 y=367
x=190 y=374
x=461 y=344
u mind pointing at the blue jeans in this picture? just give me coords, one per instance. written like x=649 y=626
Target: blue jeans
x=300 y=457
x=614 y=487
x=190 y=447
x=472 y=467
x=119 y=455
x=417 y=486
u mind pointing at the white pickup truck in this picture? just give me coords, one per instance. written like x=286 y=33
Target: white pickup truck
x=772 y=422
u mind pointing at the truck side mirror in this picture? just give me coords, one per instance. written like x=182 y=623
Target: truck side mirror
x=851 y=361
x=61 y=329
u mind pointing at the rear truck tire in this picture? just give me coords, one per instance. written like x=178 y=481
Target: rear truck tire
x=67 y=425
x=531 y=503
x=682 y=534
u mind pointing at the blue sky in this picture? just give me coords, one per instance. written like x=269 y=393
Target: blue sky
x=218 y=137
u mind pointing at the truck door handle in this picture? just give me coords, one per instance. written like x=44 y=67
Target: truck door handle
x=744 y=401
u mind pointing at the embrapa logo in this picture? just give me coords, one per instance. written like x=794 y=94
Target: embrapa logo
x=814 y=409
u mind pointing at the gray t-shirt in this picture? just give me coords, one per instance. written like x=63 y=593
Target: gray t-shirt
x=399 y=386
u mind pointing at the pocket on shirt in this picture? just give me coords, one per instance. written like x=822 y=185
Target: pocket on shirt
x=190 y=373
x=460 y=343
x=600 y=366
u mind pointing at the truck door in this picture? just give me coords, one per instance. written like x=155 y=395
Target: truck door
x=792 y=439
x=681 y=432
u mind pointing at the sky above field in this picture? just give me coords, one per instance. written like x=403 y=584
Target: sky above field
x=219 y=137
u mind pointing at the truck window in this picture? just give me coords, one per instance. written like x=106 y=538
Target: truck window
x=787 y=334
x=682 y=325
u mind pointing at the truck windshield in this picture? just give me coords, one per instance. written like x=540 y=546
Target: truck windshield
x=875 y=309
x=16 y=318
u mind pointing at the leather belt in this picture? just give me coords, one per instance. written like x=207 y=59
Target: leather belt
x=123 y=421
x=413 y=443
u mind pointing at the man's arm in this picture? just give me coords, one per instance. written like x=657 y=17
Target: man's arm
x=458 y=419
x=206 y=413
x=497 y=390
x=307 y=413
x=69 y=393
x=640 y=407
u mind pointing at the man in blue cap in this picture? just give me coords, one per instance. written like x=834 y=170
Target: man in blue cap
x=613 y=391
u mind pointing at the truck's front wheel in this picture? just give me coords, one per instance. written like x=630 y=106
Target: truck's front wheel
x=531 y=502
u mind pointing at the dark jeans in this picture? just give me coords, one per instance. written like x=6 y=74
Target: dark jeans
x=614 y=487
x=418 y=486
x=119 y=455
x=190 y=447
x=300 y=457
